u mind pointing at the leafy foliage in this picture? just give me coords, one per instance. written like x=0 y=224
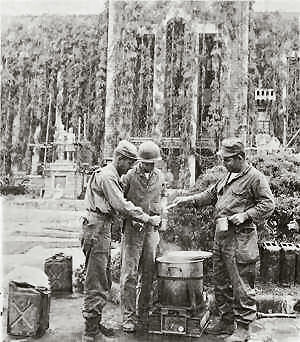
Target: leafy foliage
x=273 y=37
x=34 y=51
x=282 y=170
x=287 y=210
x=191 y=227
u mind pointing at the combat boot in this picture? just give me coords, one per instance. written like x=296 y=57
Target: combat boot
x=91 y=329
x=241 y=334
x=220 y=327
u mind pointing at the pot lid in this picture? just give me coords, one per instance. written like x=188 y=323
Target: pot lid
x=184 y=256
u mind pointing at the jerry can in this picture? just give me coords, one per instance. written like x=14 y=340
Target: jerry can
x=297 y=275
x=270 y=262
x=287 y=263
x=59 y=271
x=28 y=310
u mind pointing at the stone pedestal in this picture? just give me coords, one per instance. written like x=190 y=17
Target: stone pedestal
x=37 y=185
x=35 y=161
x=63 y=180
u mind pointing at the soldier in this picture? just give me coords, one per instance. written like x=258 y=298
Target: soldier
x=104 y=199
x=143 y=185
x=242 y=199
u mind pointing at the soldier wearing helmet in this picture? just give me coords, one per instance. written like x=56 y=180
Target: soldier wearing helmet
x=144 y=186
x=105 y=199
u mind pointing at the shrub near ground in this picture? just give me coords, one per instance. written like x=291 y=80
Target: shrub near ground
x=282 y=170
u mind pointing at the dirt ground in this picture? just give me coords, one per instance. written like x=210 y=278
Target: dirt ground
x=33 y=230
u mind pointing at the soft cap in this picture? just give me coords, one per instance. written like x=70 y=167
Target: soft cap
x=127 y=149
x=231 y=147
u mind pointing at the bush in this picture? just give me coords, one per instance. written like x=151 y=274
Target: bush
x=191 y=227
x=287 y=209
x=282 y=169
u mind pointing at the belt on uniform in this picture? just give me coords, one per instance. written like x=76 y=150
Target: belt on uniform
x=98 y=212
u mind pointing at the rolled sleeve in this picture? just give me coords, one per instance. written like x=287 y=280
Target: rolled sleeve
x=206 y=197
x=265 y=203
x=114 y=195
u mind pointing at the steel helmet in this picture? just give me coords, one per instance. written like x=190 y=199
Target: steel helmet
x=148 y=152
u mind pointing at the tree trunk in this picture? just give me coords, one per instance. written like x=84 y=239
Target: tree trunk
x=8 y=137
x=47 y=132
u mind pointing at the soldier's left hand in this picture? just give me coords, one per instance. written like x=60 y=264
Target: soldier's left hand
x=238 y=219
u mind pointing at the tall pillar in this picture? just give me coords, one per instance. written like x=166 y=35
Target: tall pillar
x=108 y=148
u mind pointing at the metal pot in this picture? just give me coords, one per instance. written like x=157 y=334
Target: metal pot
x=180 y=278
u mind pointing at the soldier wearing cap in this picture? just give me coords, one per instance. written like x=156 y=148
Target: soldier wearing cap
x=144 y=186
x=242 y=199
x=104 y=199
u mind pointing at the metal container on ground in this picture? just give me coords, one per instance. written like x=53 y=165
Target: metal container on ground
x=287 y=264
x=180 y=278
x=28 y=310
x=270 y=262
x=59 y=269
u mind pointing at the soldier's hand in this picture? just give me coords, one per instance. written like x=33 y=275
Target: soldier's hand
x=238 y=219
x=178 y=200
x=155 y=220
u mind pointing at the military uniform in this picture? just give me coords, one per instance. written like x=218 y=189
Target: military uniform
x=236 y=250
x=139 y=245
x=104 y=198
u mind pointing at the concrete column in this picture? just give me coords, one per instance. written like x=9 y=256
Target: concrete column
x=108 y=148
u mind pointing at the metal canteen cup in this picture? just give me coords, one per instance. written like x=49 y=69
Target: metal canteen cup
x=222 y=224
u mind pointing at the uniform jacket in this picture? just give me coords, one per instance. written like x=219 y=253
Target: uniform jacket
x=248 y=192
x=104 y=194
x=146 y=192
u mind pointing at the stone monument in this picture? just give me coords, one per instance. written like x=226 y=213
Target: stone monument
x=63 y=179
